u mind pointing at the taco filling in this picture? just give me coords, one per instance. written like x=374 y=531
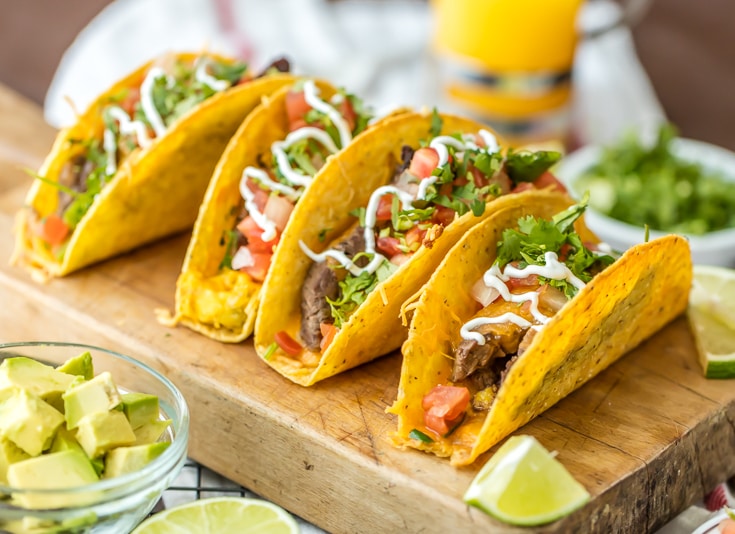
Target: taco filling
x=538 y=269
x=451 y=176
x=318 y=130
x=130 y=120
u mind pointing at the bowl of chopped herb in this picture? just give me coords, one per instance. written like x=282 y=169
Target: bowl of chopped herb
x=669 y=185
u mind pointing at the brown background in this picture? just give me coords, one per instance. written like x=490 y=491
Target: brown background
x=686 y=47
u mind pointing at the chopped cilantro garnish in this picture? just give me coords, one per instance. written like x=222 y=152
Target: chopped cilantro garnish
x=355 y=289
x=535 y=237
x=270 y=350
x=436 y=123
x=418 y=435
x=229 y=239
x=528 y=166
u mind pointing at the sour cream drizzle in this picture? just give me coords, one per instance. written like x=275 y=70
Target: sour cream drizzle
x=495 y=279
x=139 y=128
x=439 y=144
x=268 y=226
x=278 y=148
x=204 y=77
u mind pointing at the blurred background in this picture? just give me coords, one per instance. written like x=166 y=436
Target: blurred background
x=674 y=58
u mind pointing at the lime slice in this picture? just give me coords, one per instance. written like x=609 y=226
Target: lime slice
x=712 y=317
x=221 y=515
x=523 y=484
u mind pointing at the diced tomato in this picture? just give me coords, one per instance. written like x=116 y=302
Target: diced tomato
x=523 y=186
x=480 y=179
x=388 y=246
x=400 y=258
x=328 y=332
x=288 y=344
x=253 y=233
x=131 y=98
x=261 y=195
x=549 y=180
x=443 y=215
x=415 y=236
x=385 y=207
x=444 y=406
x=528 y=282
x=347 y=110
x=260 y=266
x=296 y=108
x=54 y=230
x=423 y=162
x=278 y=209
x=564 y=251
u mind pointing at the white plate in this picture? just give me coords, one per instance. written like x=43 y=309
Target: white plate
x=715 y=248
x=710 y=526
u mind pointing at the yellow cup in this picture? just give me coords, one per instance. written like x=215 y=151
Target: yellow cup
x=509 y=63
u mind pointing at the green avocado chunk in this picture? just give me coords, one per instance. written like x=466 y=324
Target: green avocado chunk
x=64 y=469
x=41 y=379
x=99 y=394
x=150 y=432
x=27 y=420
x=99 y=432
x=124 y=460
x=9 y=454
x=79 y=366
x=140 y=408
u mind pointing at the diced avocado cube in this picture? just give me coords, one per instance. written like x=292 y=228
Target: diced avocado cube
x=79 y=365
x=41 y=379
x=129 y=459
x=140 y=408
x=27 y=420
x=64 y=469
x=99 y=432
x=9 y=454
x=99 y=394
x=150 y=432
x=65 y=441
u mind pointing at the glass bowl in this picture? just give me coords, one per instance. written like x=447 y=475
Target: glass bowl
x=114 y=505
x=713 y=248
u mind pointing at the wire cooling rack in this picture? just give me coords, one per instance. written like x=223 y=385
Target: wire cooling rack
x=197 y=482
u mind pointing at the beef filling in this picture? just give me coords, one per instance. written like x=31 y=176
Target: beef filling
x=320 y=284
x=73 y=175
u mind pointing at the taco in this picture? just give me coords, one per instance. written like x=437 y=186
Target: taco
x=414 y=185
x=268 y=165
x=524 y=310
x=135 y=165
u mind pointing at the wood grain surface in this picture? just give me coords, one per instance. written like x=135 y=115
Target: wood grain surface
x=647 y=437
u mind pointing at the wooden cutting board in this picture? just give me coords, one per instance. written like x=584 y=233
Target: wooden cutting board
x=648 y=437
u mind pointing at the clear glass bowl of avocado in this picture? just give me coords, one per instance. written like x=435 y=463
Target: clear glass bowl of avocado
x=89 y=438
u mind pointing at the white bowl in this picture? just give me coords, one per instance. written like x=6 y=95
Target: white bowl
x=714 y=248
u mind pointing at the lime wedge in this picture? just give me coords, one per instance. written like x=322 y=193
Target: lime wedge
x=712 y=317
x=523 y=484
x=221 y=515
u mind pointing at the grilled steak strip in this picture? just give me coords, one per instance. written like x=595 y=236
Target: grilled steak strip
x=321 y=283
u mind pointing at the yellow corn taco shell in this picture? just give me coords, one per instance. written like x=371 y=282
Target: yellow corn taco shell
x=222 y=303
x=626 y=303
x=322 y=215
x=155 y=192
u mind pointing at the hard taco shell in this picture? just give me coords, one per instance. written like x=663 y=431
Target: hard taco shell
x=322 y=215
x=622 y=306
x=156 y=191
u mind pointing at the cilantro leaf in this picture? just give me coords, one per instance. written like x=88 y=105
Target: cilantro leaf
x=535 y=237
x=436 y=123
x=527 y=166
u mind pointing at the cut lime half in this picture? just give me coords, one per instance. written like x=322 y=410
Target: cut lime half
x=221 y=515
x=712 y=317
x=523 y=484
